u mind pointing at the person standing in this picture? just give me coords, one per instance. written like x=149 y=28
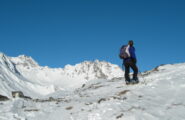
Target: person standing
x=127 y=53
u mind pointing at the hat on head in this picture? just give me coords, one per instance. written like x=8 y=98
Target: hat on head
x=131 y=42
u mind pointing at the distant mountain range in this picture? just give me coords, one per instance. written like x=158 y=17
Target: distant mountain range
x=23 y=73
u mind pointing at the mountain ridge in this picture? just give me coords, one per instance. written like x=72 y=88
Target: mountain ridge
x=26 y=71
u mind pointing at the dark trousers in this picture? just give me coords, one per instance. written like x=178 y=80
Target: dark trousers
x=130 y=64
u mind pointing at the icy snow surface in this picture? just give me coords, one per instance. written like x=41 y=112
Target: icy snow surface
x=89 y=91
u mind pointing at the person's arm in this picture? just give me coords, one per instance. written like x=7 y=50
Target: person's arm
x=133 y=55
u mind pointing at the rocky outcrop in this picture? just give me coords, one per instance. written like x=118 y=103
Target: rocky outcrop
x=3 y=98
x=19 y=94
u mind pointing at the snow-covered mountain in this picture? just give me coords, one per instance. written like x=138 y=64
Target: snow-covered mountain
x=23 y=73
x=100 y=94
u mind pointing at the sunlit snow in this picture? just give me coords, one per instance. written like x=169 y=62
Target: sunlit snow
x=92 y=90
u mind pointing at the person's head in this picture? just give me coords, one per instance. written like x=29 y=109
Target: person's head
x=131 y=42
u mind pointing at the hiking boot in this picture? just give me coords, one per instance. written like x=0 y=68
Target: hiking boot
x=128 y=82
x=135 y=80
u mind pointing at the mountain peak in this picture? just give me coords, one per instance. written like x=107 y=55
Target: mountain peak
x=1 y=54
x=94 y=70
x=24 y=60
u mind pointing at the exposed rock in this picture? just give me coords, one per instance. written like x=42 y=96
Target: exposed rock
x=120 y=116
x=123 y=92
x=51 y=99
x=16 y=94
x=156 y=69
x=31 y=110
x=83 y=85
x=19 y=94
x=3 y=98
x=27 y=97
x=102 y=99
x=69 y=108
x=89 y=103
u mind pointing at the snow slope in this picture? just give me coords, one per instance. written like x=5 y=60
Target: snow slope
x=159 y=96
x=22 y=73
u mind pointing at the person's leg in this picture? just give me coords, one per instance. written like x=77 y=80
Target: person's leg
x=135 y=69
x=127 y=71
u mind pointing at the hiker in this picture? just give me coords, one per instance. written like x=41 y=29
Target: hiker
x=127 y=53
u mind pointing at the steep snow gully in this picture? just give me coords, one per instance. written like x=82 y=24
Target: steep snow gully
x=88 y=91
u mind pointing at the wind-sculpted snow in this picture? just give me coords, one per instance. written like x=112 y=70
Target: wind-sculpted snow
x=159 y=95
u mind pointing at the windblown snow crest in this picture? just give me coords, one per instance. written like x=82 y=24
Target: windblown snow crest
x=24 y=74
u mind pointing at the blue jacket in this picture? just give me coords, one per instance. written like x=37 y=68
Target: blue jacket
x=132 y=54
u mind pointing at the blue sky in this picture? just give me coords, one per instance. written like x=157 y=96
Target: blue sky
x=56 y=33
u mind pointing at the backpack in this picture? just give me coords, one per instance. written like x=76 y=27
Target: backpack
x=124 y=52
